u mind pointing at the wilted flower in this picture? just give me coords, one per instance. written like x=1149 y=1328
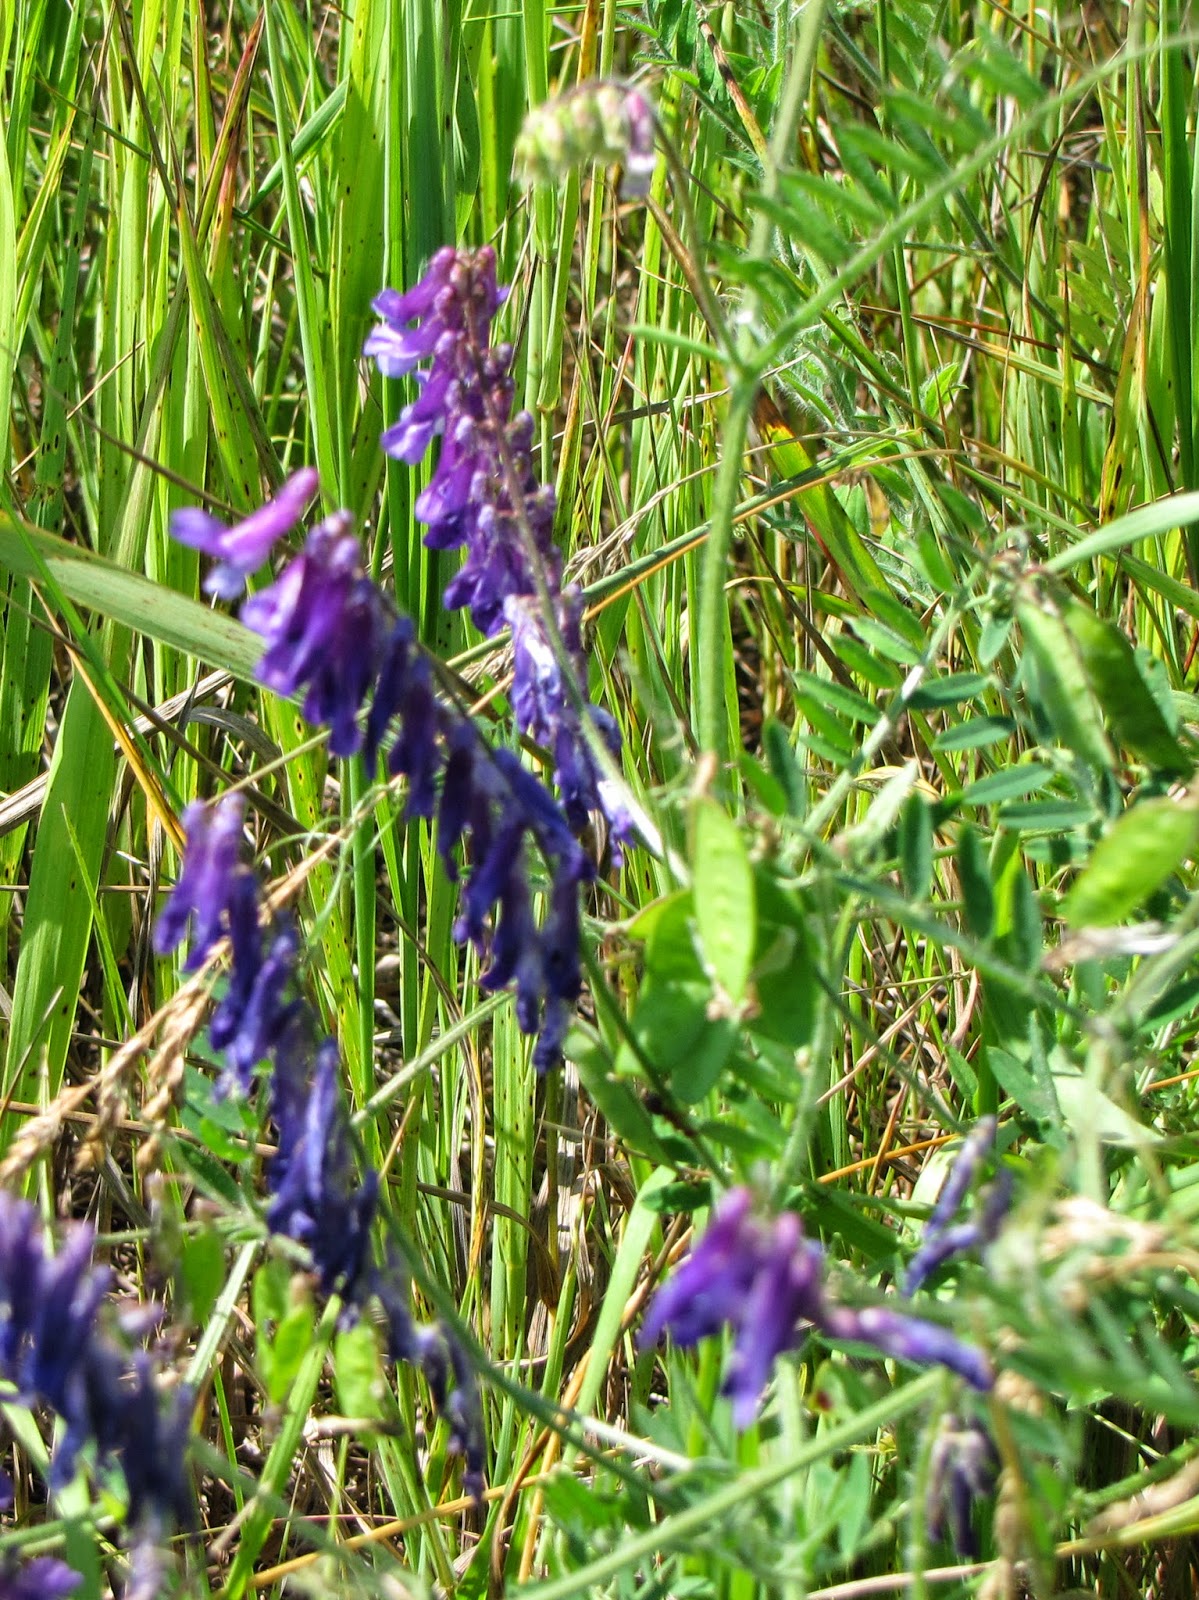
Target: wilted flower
x=765 y=1281
x=241 y=549
x=963 y=1470
x=593 y=122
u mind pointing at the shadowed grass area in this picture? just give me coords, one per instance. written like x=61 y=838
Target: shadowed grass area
x=872 y=433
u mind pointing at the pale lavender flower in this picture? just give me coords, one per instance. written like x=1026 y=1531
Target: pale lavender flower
x=206 y=884
x=906 y=1338
x=945 y=1237
x=241 y=549
x=963 y=1470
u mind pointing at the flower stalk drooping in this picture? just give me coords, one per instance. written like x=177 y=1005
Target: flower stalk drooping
x=314 y=1193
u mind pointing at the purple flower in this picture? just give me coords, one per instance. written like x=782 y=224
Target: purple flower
x=765 y=1281
x=640 y=157
x=43 y=1578
x=325 y=626
x=963 y=1470
x=241 y=549
x=56 y=1352
x=545 y=707
x=912 y=1339
x=207 y=883
x=315 y=1199
x=710 y=1288
x=484 y=492
x=944 y=1237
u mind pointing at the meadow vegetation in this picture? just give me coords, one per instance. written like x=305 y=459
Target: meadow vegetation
x=764 y=1168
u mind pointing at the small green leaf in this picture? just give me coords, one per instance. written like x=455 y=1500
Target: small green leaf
x=1132 y=711
x=1135 y=857
x=202 y=1271
x=916 y=847
x=978 y=898
x=723 y=894
x=357 y=1374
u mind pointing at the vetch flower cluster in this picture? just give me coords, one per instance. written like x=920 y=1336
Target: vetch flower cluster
x=331 y=637
x=57 y=1350
x=593 y=122
x=944 y=1236
x=485 y=495
x=314 y=1193
x=763 y=1279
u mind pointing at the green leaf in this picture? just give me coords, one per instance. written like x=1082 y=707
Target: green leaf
x=723 y=895
x=916 y=847
x=1135 y=857
x=978 y=898
x=1131 y=709
x=202 y=1270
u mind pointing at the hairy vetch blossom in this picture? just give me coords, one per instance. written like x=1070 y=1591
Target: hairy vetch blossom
x=207 y=883
x=222 y=892
x=325 y=624
x=765 y=1281
x=56 y=1352
x=43 y=1578
x=944 y=1236
x=241 y=549
x=485 y=494
x=315 y=1196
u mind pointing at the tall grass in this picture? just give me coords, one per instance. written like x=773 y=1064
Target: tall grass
x=873 y=436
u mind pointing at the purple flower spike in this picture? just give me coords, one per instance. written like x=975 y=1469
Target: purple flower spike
x=206 y=883
x=242 y=549
x=314 y=1198
x=764 y=1280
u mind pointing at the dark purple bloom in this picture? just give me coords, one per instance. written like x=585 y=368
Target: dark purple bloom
x=963 y=1470
x=55 y=1350
x=709 y=1289
x=783 y=1299
x=255 y=1008
x=43 y=1578
x=325 y=626
x=207 y=883
x=314 y=1196
x=765 y=1281
x=241 y=549
x=464 y=1412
